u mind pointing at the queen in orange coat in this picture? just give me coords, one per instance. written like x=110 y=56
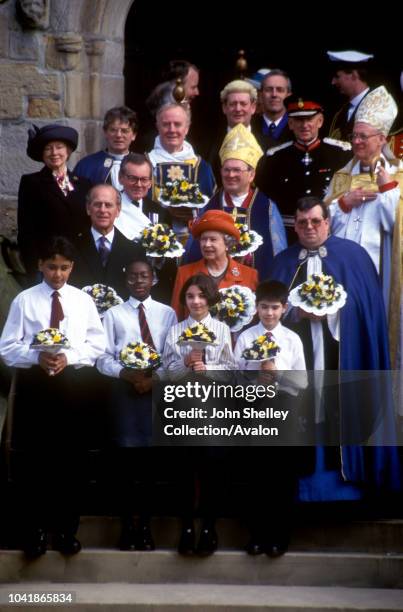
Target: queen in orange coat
x=216 y=231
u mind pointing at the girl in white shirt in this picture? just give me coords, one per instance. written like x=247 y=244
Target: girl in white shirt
x=198 y=294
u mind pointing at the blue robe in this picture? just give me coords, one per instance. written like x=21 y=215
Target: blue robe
x=95 y=167
x=263 y=217
x=363 y=343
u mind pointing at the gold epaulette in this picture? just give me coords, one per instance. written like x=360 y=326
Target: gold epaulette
x=346 y=146
x=274 y=150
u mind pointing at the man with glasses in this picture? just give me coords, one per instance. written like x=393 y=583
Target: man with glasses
x=120 y=130
x=304 y=166
x=353 y=338
x=365 y=197
x=239 y=155
x=138 y=210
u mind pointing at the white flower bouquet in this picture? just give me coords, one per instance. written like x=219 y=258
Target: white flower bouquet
x=319 y=295
x=139 y=356
x=236 y=307
x=104 y=297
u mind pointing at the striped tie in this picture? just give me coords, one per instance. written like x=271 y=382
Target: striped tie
x=144 y=329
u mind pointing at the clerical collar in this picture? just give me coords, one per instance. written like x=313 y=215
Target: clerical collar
x=116 y=155
x=307 y=147
x=306 y=253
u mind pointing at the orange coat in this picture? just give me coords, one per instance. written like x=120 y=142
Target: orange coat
x=236 y=274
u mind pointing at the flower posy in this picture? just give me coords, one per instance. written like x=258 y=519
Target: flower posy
x=262 y=348
x=104 y=297
x=197 y=333
x=320 y=291
x=50 y=337
x=159 y=240
x=180 y=191
x=249 y=241
x=236 y=307
x=139 y=356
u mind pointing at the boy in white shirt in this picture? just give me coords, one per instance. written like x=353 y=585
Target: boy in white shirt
x=271 y=495
x=142 y=319
x=49 y=428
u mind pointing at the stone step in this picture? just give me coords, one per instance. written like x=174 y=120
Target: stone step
x=217 y=598
x=358 y=536
x=358 y=570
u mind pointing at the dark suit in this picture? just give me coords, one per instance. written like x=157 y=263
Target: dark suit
x=261 y=131
x=44 y=211
x=88 y=268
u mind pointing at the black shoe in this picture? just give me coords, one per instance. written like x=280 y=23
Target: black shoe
x=128 y=536
x=255 y=547
x=67 y=544
x=276 y=549
x=144 y=539
x=208 y=542
x=186 y=544
x=36 y=543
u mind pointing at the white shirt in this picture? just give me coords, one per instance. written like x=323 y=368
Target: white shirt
x=218 y=357
x=290 y=356
x=30 y=312
x=122 y=326
x=269 y=121
x=355 y=102
x=108 y=237
x=131 y=220
x=237 y=200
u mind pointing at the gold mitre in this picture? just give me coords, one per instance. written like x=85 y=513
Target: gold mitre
x=378 y=109
x=241 y=144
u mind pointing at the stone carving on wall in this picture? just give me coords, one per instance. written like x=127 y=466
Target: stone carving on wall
x=33 y=13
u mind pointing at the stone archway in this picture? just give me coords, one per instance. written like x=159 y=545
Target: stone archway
x=66 y=66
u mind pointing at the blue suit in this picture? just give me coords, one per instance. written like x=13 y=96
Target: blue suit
x=96 y=167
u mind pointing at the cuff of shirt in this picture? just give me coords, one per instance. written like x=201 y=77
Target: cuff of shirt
x=388 y=186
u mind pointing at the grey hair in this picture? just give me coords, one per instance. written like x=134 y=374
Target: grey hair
x=184 y=107
x=89 y=196
x=230 y=241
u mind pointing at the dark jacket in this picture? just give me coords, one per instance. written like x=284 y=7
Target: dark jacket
x=88 y=268
x=44 y=211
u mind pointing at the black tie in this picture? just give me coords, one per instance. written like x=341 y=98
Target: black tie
x=136 y=203
x=272 y=127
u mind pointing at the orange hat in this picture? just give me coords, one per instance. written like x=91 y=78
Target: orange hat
x=215 y=221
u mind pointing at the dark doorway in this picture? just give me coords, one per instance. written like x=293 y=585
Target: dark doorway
x=273 y=35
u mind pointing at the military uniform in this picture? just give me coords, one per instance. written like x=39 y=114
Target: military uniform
x=291 y=171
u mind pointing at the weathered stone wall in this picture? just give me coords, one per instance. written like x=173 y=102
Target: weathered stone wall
x=67 y=67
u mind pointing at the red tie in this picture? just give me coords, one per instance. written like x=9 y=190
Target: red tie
x=144 y=329
x=56 y=314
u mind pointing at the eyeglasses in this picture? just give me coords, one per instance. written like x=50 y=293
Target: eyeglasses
x=123 y=131
x=362 y=137
x=303 y=223
x=142 y=180
x=235 y=171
